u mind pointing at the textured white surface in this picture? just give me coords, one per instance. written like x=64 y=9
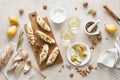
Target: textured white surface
x=11 y=7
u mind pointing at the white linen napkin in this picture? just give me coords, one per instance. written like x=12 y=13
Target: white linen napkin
x=110 y=59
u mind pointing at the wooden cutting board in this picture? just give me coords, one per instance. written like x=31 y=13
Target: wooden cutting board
x=37 y=48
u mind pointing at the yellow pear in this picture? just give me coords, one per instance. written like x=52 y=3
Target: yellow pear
x=111 y=28
x=13 y=20
x=11 y=31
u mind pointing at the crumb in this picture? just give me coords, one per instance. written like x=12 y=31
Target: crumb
x=92 y=47
x=85 y=4
x=84 y=73
x=106 y=38
x=71 y=75
x=21 y=11
x=62 y=66
x=60 y=71
x=99 y=37
x=29 y=62
x=96 y=68
x=90 y=67
x=94 y=42
x=68 y=66
x=99 y=33
x=75 y=8
x=87 y=71
x=44 y=7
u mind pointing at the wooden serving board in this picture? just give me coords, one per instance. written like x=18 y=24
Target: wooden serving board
x=37 y=48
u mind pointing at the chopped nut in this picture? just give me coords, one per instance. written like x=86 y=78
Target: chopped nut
x=94 y=42
x=84 y=73
x=62 y=66
x=71 y=75
x=99 y=37
x=93 y=12
x=85 y=4
x=44 y=7
x=68 y=66
x=87 y=71
x=96 y=68
x=29 y=62
x=90 y=67
x=92 y=47
x=60 y=71
x=75 y=8
x=21 y=11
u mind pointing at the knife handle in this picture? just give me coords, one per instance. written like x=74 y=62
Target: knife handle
x=110 y=11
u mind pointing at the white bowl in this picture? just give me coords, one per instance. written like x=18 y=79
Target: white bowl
x=91 y=34
x=58 y=15
x=85 y=60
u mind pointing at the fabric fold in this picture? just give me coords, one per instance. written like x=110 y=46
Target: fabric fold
x=110 y=59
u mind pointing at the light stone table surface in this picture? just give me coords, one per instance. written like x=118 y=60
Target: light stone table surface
x=11 y=8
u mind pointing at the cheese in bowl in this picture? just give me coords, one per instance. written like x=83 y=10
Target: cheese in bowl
x=78 y=54
x=58 y=15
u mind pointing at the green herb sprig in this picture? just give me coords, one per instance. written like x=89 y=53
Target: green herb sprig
x=20 y=39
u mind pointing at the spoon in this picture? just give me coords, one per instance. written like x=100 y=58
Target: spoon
x=93 y=25
x=112 y=14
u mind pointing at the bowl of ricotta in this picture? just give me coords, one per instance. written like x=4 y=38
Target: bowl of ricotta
x=58 y=15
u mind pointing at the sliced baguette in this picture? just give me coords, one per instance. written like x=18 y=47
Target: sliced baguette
x=44 y=53
x=52 y=56
x=45 y=37
x=43 y=24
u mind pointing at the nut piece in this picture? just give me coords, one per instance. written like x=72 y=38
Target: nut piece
x=93 y=12
x=44 y=7
x=99 y=37
x=94 y=42
x=85 y=4
x=71 y=75
x=90 y=67
x=21 y=11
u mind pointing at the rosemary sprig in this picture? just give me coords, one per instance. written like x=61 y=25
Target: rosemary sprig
x=20 y=39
